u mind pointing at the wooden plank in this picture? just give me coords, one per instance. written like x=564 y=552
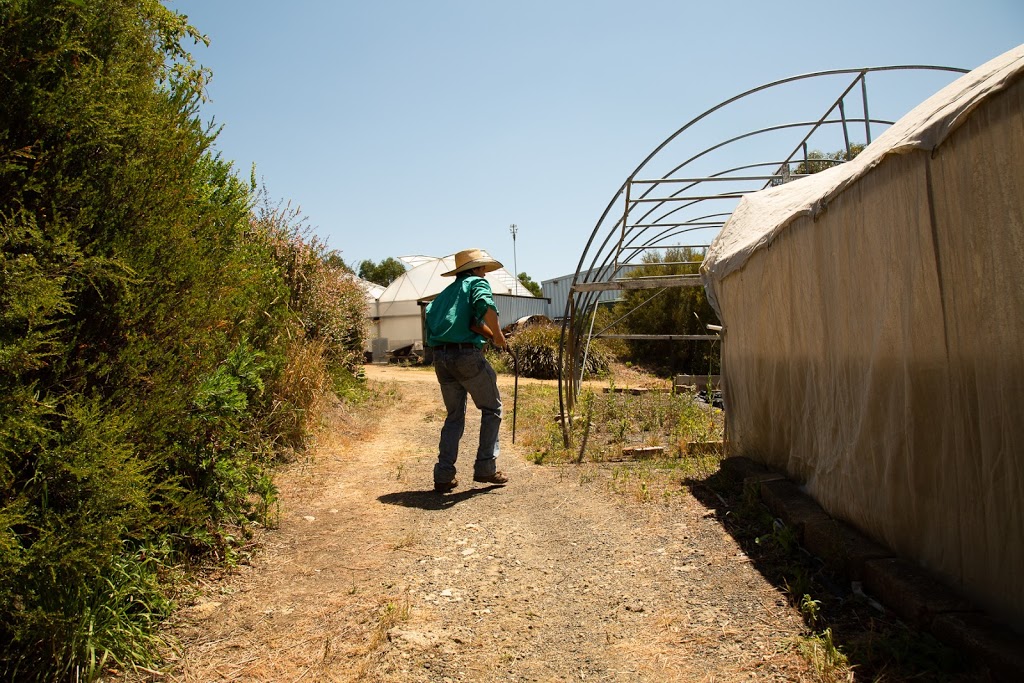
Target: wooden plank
x=636 y=391
x=699 y=381
x=697 y=448
x=642 y=451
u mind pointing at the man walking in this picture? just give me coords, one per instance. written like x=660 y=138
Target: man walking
x=459 y=321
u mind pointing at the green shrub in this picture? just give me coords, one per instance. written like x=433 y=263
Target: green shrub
x=154 y=330
x=536 y=349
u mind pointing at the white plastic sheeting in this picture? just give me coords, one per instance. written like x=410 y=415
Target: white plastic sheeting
x=874 y=334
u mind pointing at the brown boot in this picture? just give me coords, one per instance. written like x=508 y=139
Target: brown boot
x=445 y=487
x=496 y=478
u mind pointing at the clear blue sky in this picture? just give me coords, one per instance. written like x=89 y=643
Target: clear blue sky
x=425 y=127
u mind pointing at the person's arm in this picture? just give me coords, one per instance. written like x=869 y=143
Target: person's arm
x=491 y=321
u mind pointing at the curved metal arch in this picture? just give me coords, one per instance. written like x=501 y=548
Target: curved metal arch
x=652 y=228
x=814 y=126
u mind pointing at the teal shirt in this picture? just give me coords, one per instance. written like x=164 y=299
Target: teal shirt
x=458 y=306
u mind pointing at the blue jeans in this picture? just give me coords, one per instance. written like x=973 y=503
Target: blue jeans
x=461 y=372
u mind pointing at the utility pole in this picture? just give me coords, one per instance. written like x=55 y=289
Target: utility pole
x=512 y=229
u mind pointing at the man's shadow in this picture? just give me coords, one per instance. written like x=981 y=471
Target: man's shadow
x=432 y=500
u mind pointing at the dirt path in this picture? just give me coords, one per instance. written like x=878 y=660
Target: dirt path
x=373 y=577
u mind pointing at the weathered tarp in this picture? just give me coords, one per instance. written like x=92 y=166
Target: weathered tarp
x=874 y=334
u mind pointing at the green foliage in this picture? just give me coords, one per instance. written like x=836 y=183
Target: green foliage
x=817 y=161
x=160 y=339
x=528 y=282
x=329 y=328
x=678 y=310
x=383 y=273
x=828 y=661
x=334 y=260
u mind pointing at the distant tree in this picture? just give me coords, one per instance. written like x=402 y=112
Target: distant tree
x=527 y=281
x=383 y=273
x=818 y=161
x=334 y=260
x=674 y=310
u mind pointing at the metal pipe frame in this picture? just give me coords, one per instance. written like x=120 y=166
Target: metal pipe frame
x=614 y=243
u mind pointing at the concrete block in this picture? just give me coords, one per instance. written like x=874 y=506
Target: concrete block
x=642 y=451
x=793 y=506
x=843 y=548
x=989 y=642
x=740 y=467
x=910 y=591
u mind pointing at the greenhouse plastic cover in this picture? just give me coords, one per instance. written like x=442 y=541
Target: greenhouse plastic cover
x=874 y=334
x=424 y=279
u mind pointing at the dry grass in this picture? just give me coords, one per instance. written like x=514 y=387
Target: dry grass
x=609 y=420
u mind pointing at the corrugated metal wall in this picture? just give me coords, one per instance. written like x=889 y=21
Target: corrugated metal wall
x=557 y=289
x=511 y=308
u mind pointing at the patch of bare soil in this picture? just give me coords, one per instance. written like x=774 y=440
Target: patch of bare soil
x=374 y=577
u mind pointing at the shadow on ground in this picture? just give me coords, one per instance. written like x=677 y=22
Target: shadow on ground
x=432 y=500
x=876 y=645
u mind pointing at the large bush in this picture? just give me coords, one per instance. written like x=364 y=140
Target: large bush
x=151 y=327
x=536 y=348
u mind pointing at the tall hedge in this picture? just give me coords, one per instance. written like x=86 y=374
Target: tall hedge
x=148 y=326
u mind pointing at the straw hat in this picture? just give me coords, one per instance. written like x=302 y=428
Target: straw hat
x=469 y=259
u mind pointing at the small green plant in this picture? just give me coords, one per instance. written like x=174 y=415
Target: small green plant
x=391 y=614
x=830 y=664
x=781 y=537
x=811 y=610
x=798 y=585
